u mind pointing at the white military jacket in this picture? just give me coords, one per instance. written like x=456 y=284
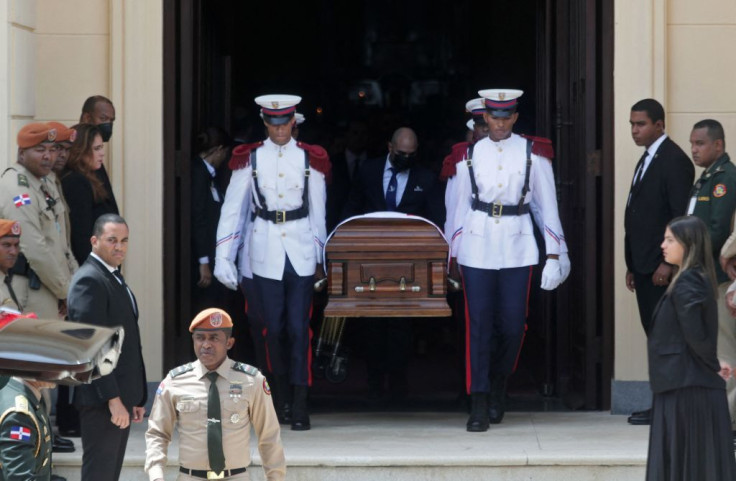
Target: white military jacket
x=280 y=171
x=482 y=241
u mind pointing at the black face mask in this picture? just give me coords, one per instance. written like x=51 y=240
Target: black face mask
x=105 y=131
x=401 y=161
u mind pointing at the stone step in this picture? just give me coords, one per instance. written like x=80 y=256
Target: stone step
x=435 y=446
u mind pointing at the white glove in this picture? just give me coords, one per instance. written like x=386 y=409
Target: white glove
x=564 y=266
x=226 y=273
x=551 y=275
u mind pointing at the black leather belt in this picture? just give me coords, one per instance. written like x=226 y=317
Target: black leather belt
x=498 y=210
x=204 y=474
x=281 y=216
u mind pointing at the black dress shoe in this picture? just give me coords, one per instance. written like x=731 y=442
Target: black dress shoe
x=300 y=410
x=61 y=447
x=63 y=441
x=478 y=421
x=641 y=418
x=497 y=399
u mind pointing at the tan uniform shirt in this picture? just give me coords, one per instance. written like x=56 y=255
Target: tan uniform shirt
x=44 y=239
x=67 y=221
x=245 y=400
x=20 y=287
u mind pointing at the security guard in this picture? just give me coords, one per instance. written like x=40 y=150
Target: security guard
x=285 y=182
x=503 y=179
x=13 y=288
x=25 y=431
x=713 y=199
x=214 y=401
x=27 y=195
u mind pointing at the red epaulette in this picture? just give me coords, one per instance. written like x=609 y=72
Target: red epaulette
x=541 y=146
x=240 y=157
x=449 y=165
x=319 y=160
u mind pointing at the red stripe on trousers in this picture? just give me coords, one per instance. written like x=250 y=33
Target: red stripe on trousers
x=468 y=370
x=526 y=327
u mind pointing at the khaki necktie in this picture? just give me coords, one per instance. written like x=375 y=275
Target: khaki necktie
x=214 y=427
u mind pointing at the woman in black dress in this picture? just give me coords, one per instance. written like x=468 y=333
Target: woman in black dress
x=690 y=436
x=84 y=192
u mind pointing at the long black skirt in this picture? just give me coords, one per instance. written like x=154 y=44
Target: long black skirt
x=690 y=437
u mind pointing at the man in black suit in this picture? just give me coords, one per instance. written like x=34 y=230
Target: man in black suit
x=659 y=192
x=393 y=183
x=396 y=183
x=99 y=295
x=345 y=166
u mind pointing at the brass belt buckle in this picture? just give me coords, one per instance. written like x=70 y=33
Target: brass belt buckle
x=280 y=216
x=496 y=210
x=214 y=475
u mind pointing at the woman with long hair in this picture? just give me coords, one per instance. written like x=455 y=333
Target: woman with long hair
x=690 y=436
x=83 y=189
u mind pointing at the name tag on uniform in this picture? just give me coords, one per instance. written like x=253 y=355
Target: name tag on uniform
x=691 y=206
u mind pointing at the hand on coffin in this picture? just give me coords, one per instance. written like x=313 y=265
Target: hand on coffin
x=226 y=273
x=551 y=275
x=454 y=270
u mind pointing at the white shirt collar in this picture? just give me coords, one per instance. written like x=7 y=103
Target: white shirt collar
x=210 y=169
x=109 y=267
x=655 y=145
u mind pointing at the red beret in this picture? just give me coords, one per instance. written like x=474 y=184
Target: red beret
x=211 y=319
x=9 y=228
x=36 y=133
x=63 y=134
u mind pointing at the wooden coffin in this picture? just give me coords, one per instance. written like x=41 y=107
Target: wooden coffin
x=392 y=266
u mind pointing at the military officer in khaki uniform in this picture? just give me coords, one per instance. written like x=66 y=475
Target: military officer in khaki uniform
x=13 y=288
x=214 y=401
x=30 y=197
x=64 y=139
x=25 y=432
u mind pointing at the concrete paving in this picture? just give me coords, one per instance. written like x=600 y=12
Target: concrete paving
x=435 y=446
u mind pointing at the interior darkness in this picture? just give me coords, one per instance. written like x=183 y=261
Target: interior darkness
x=426 y=60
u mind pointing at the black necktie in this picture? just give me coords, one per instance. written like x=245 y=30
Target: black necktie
x=120 y=277
x=640 y=168
x=9 y=282
x=393 y=186
x=214 y=427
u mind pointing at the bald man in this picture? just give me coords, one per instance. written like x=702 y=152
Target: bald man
x=396 y=182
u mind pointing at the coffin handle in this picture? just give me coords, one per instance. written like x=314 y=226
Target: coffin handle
x=372 y=284
x=402 y=284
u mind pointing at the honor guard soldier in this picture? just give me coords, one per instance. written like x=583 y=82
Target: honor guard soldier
x=30 y=196
x=479 y=128
x=713 y=199
x=213 y=402
x=280 y=184
x=504 y=178
x=13 y=288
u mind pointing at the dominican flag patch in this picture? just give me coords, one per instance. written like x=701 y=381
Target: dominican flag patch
x=20 y=433
x=23 y=199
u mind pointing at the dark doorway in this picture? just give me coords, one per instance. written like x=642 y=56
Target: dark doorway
x=392 y=63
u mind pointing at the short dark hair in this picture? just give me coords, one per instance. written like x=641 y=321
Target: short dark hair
x=89 y=105
x=99 y=226
x=653 y=109
x=714 y=129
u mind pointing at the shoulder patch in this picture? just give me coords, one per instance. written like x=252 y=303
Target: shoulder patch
x=246 y=368
x=457 y=153
x=541 y=146
x=21 y=403
x=240 y=157
x=177 y=371
x=22 y=180
x=319 y=160
x=720 y=190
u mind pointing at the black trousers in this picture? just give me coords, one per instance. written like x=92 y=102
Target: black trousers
x=285 y=306
x=103 y=444
x=647 y=297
